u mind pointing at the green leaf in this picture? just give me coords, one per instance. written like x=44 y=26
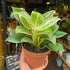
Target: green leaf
x=47 y=32
x=15 y=9
x=44 y=41
x=54 y=28
x=59 y=34
x=49 y=22
x=48 y=14
x=50 y=48
x=26 y=16
x=25 y=23
x=22 y=16
x=57 y=47
x=52 y=39
x=21 y=29
x=15 y=13
x=49 y=38
x=12 y=31
x=44 y=35
x=26 y=39
x=36 y=19
x=17 y=17
x=15 y=38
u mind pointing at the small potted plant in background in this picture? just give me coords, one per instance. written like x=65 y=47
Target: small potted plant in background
x=43 y=31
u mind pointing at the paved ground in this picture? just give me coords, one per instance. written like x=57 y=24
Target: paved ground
x=52 y=62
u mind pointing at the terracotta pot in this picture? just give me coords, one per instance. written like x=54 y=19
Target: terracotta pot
x=35 y=60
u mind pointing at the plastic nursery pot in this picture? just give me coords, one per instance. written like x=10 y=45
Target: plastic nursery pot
x=35 y=60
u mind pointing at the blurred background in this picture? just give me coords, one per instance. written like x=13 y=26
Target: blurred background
x=57 y=61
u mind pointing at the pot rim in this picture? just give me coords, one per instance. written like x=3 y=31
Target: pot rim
x=36 y=53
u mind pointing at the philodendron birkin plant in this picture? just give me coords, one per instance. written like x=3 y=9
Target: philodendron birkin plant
x=43 y=31
x=42 y=28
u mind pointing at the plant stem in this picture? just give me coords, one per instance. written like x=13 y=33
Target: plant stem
x=38 y=42
x=33 y=37
x=35 y=41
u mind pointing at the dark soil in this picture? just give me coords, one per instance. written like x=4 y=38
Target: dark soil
x=33 y=49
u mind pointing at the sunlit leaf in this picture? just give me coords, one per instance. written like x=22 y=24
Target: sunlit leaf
x=48 y=14
x=36 y=19
x=49 y=22
x=21 y=29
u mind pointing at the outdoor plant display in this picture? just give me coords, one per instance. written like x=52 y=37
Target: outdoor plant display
x=42 y=29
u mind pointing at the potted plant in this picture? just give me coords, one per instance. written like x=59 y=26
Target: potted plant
x=42 y=30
